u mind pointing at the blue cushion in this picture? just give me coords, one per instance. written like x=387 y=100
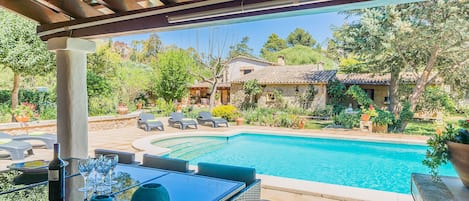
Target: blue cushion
x=165 y=163
x=236 y=173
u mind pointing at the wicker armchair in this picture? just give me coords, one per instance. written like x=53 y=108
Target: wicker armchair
x=251 y=192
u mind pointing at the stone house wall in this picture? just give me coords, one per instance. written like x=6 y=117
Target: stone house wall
x=237 y=65
x=291 y=93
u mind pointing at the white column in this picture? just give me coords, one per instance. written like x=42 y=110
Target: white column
x=72 y=97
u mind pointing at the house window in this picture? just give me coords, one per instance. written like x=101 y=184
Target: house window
x=247 y=71
x=271 y=96
x=370 y=93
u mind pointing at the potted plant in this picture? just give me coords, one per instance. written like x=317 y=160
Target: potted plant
x=24 y=111
x=238 y=117
x=452 y=145
x=301 y=123
x=381 y=121
x=368 y=113
x=122 y=109
x=140 y=104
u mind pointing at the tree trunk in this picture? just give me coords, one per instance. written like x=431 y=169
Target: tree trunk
x=423 y=80
x=213 y=93
x=393 y=92
x=421 y=83
x=14 y=94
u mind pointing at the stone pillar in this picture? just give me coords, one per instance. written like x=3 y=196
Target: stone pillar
x=72 y=98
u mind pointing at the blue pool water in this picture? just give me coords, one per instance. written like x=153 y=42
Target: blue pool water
x=373 y=165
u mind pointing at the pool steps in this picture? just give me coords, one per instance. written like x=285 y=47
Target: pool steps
x=190 y=148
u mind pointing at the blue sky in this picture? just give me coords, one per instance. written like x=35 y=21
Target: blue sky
x=320 y=26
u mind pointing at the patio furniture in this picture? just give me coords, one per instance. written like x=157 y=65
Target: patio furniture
x=173 y=164
x=149 y=122
x=124 y=157
x=178 y=118
x=48 y=138
x=180 y=186
x=15 y=148
x=206 y=117
x=235 y=173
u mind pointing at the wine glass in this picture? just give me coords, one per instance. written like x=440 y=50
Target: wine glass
x=114 y=159
x=85 y=167
x=103 y=166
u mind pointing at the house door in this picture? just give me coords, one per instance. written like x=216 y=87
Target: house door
x=225 y=97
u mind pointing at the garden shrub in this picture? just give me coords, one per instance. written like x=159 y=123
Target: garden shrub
x=228 y=112
x=359 y=95
x=101 y=106
x=384 y=117
x=48 y=111
x=324 y=112
x=464 y=123
x=348 y=120
x=5 y=96
x=165 y=107
x=434 y=99
x=5 y=115
x=336 y=92
x=404 y=116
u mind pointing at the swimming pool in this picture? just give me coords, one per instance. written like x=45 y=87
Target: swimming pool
x=373 y=165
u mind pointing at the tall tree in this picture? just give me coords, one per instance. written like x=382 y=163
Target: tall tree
x=428 y=38
x=210 y=68
x=145 y=51
x=173 y=77
x=300 y=37
x=241 y=49
x=273 y=44
x=299 y=55
x=22 y=51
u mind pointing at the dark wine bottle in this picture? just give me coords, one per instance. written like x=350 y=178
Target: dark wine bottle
x=56 y=176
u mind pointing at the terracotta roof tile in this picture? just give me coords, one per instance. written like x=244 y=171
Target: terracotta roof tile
x=250 y=58
x=365 y=78
x=207 y=85
x=374 y=78
x=306 y=74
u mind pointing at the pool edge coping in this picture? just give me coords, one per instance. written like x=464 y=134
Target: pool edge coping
x=145 y=144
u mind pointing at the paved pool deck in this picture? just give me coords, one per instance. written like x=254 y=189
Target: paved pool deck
x=274 y=188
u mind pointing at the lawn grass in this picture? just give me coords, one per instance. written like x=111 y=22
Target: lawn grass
x=317 y=124
x=420 y=128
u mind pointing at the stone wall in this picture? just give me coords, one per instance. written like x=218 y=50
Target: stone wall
x=291 y=93
x=94 y=124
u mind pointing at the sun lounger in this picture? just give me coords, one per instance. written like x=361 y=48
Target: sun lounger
x=47 y=138
x=15 y=148
x=149 y=122
x=178 y=118
x=206 y=117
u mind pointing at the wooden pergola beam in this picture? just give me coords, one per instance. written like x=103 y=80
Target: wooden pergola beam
x=34 y=11
x=121 y=5
x=74 y=8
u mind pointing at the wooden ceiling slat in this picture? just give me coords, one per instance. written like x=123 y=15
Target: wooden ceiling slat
x=150 y=3
x=34 y=11
x=122 y=5
x=168 y=2
x=75 y=8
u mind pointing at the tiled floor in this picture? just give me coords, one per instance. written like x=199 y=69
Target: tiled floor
x=122 y=138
